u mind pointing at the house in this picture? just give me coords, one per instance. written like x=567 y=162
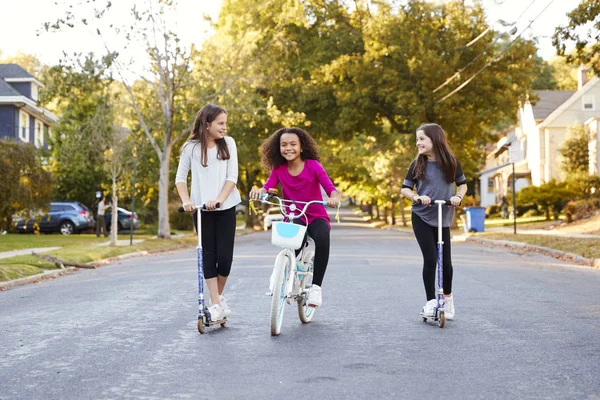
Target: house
x=21 y=116
x=531 y=147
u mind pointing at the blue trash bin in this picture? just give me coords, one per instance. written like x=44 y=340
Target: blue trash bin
x=475 y=219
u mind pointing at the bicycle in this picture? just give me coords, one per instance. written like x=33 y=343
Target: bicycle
x=292 y=275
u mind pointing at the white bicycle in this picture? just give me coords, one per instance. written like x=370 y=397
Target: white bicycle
x=291 y=276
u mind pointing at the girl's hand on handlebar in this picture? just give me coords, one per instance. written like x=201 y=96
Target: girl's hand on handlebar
x=212 y=205
x=333 y=201
x=188 y=206
x=455 y=200
x=256 y=193
x=425 y=200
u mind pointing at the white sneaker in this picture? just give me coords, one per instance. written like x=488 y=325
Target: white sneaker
x=226 y=310
x=216 y=312
x=428 y=310
x=449 y=308
x=315 y=298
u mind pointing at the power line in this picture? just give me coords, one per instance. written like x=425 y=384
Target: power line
x=457 y=74
x=465 y=83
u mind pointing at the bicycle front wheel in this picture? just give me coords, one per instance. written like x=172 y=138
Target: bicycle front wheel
x=281 y=271
x=304 y=312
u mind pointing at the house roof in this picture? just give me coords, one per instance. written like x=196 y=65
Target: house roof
x=14 y=71
x=576 y=96
x=549 y=101
x=7 y=90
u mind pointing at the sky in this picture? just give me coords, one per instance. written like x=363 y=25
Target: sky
x=25 y=17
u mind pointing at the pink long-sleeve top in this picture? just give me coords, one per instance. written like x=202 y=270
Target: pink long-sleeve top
x=306 y=186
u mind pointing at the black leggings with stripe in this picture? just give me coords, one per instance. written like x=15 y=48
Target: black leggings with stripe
x=427 y=237
x=218 y=233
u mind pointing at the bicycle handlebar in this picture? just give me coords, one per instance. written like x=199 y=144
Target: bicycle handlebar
x=281 y=203
x=203 y=207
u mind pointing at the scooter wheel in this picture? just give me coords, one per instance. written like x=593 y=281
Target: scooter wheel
x=442 y=320
x=201 y=326
x=424 y=319
x=223 y=324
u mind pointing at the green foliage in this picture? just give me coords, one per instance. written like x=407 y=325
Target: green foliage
x=25 y=186
x=583 y=31
x=564 y=74
x=551 y=196
x=79 y=93
x=545 y=78
x=574 y=151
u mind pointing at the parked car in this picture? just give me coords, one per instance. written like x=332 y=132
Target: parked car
x=124 y=219
x=271 y=215
x=66 y=217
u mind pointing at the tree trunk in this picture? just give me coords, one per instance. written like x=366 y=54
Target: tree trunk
x=393 y=213
x=164 y=227
x=114 y=214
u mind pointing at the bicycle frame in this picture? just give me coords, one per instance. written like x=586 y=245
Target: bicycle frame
x=287 y=285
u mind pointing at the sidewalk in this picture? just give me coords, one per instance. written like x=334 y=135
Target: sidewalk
x=546 y=232
x=26 y=252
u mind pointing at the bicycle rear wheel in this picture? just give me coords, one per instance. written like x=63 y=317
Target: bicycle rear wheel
x=281 y=271
x=304 y=312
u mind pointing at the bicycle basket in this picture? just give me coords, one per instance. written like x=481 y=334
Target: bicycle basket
x=288 y=235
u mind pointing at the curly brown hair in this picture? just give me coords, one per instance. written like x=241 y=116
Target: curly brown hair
x=270 y=149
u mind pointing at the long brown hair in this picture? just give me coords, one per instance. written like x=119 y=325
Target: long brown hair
x=205 y=116
x=271 y=153
x=443 y=155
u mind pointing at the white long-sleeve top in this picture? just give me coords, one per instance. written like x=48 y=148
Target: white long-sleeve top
x=208 y=182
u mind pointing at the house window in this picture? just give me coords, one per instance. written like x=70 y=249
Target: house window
x=39 y=133
x=23 y=126
x=34 y=92
x=589 y=103
x=490 y=185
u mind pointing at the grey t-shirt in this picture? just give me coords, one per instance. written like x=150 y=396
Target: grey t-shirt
x=436 y=187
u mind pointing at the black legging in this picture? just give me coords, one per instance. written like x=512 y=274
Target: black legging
x=427 y=236
x=218 y=233
x=318 y=230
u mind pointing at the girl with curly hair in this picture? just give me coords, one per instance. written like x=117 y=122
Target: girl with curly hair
x=292 y=157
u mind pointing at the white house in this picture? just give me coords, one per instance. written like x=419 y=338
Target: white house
x=531 y=147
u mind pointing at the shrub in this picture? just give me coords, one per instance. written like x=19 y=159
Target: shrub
x=580 y=209
x=492 y=211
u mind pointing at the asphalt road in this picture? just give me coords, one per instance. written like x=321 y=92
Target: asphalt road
x=527 y=327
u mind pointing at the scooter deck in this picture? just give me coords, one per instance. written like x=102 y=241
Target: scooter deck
x=217 y=322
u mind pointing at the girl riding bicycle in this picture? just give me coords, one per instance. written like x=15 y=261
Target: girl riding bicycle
x=212 y=157
x=434 y=173
x=292 y=157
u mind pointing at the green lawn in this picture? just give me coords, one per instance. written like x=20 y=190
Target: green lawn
x=584 y=247
x=77 y=248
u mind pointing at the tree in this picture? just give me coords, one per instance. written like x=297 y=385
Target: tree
x=162 y=83
x=25 y=186
x=77 y=90
x=574 y=151
x=583 y=31
x=564 y=74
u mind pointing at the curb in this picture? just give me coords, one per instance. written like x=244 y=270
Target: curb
x=562 y=255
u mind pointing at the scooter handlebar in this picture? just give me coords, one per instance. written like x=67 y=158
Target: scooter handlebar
x=446 y=202
x=203 y=207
